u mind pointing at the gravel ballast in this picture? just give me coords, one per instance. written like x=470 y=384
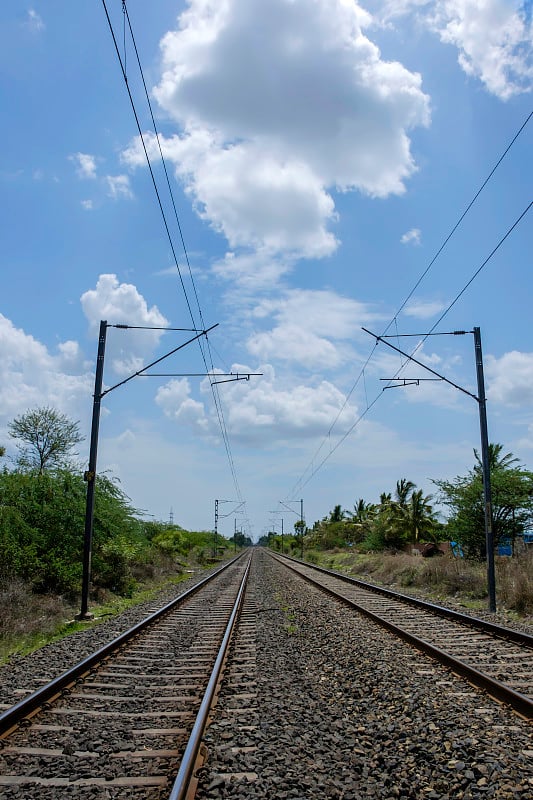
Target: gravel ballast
x=23 y=674
x=344 y=710
x=320 y=703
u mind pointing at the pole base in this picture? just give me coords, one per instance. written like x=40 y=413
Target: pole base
x=86 y=617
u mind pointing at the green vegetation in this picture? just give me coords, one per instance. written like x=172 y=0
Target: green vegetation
x=44 y=438
x=384 y=537
x=41 y=536
x=512 y=502
x=407 y=517
x=42 y=515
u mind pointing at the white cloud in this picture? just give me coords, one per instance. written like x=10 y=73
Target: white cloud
x=258 y=412
x=306 y=323
x=252 y=271
x=292 y=342
x=34 y=21
x=411 y=237
x=174 y=398
x=493 y=38
x=278 y=104
x=510 y=378
x=85 y=165
x=118 y=186
x=70 y=352
x=87 y=205
x=31 y=376
x=123 y=304
x=423 y=309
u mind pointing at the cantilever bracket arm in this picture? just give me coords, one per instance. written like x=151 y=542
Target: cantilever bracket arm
x=158 y=360
x=420 y=364
x=405 y=382
x=236 y=377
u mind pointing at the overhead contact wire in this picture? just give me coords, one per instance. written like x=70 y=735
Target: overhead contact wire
x=216 y=397
x=214 y=389
x=301 y=483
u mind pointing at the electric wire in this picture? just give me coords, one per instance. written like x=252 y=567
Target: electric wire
x=218 y=405
x=327 y=436
x=303 y=482
x=216 y=396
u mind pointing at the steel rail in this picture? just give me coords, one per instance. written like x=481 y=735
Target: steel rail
x=185 y=773
x=29 y=706
x=520 y=637
x=519 y=702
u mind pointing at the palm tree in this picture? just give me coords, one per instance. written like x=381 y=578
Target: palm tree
x=420 y=518
x=399 y=512
x=496 y=460
x=403 y=490
x=361 y=518
x=337 y=515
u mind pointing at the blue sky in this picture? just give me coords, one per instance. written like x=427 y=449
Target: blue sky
x=319 y=154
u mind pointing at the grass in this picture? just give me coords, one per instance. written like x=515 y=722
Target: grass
x=30 y=621
x=441 y=577
x=290 y=626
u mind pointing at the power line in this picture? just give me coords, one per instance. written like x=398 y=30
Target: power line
x=404 y=303
x=216 y=396
x=463 y=215
x=301 y=482
x=215 y=392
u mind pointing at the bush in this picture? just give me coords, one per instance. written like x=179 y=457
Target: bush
x=514 y=580
x=26 y=615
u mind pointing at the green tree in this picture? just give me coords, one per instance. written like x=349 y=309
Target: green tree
x=337 y=515
x=361 y=519
x=421 y=521
x=44 y=438
x=512 y=502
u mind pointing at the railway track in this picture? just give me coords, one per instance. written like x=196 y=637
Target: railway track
x=131 y=721
x=491 y=657
x=128 y=720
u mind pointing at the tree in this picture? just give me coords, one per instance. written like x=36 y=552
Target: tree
x=421 y=522
x=337 y=515
x=45 y=438
x=512 y=502
x=361 y=519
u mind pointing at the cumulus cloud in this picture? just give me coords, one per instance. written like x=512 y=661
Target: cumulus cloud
x=258 y=411
x=31 y=375
x=493 y=38
x=252 y=271
x=311 y=328
x=85 y=165
x=278 y=104
x=175 y=401
x=118 y=186
x=411 y=237
x=122 y=303
x=510 y=378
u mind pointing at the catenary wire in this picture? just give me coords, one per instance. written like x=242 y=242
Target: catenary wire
x=301 y=482
x=214 y=389
x=327 y=436
x=216 y=396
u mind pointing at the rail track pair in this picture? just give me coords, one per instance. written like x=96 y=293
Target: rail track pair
x=131 y=716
